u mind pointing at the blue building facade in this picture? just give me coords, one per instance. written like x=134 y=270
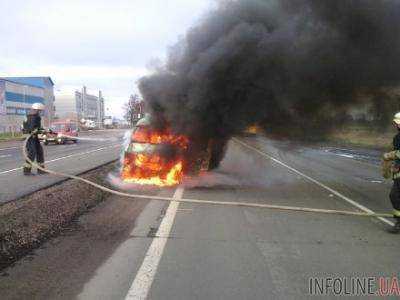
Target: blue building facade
x=42 y=82
x=17 y=94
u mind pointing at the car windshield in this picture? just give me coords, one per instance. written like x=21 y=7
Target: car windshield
x=57 y=127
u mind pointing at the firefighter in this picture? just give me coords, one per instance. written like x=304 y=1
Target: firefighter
x=33 y=126
x=394 y=157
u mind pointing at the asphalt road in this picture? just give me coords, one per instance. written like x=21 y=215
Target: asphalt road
x=192 y=251
x=70 y=158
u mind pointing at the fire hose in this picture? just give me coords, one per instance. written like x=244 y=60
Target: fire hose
x=207 y=202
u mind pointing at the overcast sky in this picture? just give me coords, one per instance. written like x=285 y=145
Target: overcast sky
x=102 y=44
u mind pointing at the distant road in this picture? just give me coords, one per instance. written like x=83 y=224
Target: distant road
x=70 y=158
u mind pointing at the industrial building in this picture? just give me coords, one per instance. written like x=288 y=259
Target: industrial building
x=17 y=94
x=81 y=106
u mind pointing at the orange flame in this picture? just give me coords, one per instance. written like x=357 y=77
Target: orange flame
x=146 y=135
x=253 y=129
x=151 y=168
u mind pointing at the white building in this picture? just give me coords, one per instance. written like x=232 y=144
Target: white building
x=80 y=105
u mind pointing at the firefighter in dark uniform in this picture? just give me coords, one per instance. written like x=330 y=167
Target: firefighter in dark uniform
x=394 y=157
x=34 y=149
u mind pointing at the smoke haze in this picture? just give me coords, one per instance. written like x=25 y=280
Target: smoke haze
x=289 y=66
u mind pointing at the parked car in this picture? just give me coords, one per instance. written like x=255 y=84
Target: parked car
x=60 y=133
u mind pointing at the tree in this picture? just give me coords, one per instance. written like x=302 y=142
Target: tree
x=133 y=109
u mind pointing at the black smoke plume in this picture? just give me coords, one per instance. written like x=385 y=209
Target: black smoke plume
x=287 y=65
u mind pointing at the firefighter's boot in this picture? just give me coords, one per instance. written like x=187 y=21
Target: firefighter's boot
x=396 y=228
x=41 y=172
x=27 y=171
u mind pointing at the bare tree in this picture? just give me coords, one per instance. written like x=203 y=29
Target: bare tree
x=133 y=109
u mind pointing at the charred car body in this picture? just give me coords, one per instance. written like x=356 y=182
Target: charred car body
x=156 y=156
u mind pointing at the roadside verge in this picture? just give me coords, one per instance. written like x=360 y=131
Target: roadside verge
x=28 y=221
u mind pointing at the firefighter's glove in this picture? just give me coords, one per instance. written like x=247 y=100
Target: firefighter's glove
x=390 y=155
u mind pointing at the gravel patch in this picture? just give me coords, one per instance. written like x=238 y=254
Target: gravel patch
x=29 y=221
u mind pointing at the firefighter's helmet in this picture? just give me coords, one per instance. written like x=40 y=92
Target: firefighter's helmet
x=38 y=106
x=396 y=118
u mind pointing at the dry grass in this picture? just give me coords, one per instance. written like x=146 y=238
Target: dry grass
x=8 y=136
x=363 y=137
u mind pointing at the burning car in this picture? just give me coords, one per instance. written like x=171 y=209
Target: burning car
x=159 y=157
x=154 y=156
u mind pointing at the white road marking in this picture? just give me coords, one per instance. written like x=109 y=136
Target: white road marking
x=64 y=157
x=145 y=276
x=376 y=181
x=4 y=149
x=334 y=192
x=353 y=158
x=4 y=156
x=346 y=155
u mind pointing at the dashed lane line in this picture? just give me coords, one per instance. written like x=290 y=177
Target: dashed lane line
x=10 y=148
